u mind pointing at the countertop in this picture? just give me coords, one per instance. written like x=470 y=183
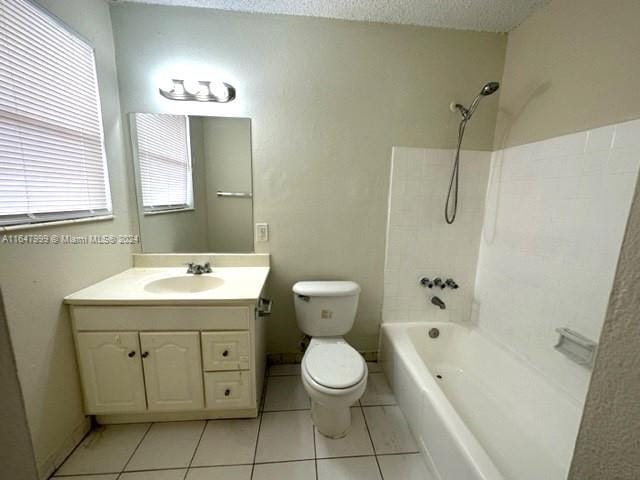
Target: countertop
x=131 y=287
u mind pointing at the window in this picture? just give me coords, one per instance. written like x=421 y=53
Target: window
x=164 y=161
x=52 y=161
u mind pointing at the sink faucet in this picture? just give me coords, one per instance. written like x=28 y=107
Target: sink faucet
x=197 y=269
x=438 y=303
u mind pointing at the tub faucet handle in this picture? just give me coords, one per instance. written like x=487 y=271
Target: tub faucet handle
x=425 y=282
x=439 y=283
x=451 y=283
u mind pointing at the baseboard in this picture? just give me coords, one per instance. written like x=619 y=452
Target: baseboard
x=60 y=454
x=296 y=357
x=175 y=416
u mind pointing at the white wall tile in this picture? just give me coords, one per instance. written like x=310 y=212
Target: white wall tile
x=555 y=214
x=419 y=242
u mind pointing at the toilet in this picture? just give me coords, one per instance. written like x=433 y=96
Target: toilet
x=334 y=374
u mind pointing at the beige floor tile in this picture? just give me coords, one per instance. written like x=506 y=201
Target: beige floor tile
x=404 y=467
x=110 y=476
x=285 y=436
x=286 y=393
x=167 y=445
x=305 y=470
x=389 y=430
x=354 y=468
x=357 y=441
x=105 y=450
x=378 y=391
x=238 y=472
x=227 y=442
x=153 y=475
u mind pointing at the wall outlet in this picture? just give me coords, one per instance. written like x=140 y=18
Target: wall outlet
x=262 y=232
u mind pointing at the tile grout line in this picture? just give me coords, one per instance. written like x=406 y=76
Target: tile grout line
x=196 y=467
x=263 y=397
x=315 y=450
x=124 y=468
x=84 y=437
x=375 y=453
x=204 y=428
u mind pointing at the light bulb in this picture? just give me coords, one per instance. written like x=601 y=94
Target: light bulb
x=219 y=90
x=192 y=87
x=178 y=87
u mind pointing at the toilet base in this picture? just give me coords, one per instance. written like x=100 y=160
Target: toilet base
x=331 y=422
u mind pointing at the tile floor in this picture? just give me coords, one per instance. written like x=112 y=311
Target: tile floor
x=281 y=444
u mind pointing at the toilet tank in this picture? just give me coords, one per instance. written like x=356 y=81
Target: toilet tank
x=326 y=309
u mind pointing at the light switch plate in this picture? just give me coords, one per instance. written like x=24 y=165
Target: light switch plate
x=262 y=232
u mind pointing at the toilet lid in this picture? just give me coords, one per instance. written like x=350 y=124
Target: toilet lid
x=335 y=365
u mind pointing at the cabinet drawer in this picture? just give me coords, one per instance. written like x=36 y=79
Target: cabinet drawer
x=228 y=389
x=225 y=351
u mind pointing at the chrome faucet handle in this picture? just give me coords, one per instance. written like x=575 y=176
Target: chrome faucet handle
x=207 y=268
x=190 y=266
x=439 y=283
x=425 y=282
x=449 y=282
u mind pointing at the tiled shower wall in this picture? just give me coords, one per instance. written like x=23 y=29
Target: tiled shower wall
x=419 y=242
x=555 y=216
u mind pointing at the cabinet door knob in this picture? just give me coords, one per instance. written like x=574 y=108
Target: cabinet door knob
x=227 y=392
x=145 y=354
x=131 y=354
x=225 y=353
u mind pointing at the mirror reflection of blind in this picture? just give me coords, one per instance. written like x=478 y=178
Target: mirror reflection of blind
x=52 y=163
x=164 y=161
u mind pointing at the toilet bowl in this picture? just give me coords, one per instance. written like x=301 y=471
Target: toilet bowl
x=334 y=374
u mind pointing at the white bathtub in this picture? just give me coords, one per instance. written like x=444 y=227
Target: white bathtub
x=490 y=416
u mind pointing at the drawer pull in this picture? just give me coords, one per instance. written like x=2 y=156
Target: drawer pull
x=225 y=353
x=145 y=354
x=227 y=392
x=131 y=354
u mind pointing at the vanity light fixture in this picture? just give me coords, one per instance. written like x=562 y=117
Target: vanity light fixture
x=200 y=91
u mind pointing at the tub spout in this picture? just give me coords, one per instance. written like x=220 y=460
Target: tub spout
x=438 y=303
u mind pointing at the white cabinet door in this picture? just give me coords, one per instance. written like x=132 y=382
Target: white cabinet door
x=111 y=372
x=172 y=370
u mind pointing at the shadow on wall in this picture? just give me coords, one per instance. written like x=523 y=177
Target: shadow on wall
x=16 y=452
x=492 y=205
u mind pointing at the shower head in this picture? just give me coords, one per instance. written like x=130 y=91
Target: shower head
x=489 y=88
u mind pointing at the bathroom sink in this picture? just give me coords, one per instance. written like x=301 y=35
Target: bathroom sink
x=184 y=284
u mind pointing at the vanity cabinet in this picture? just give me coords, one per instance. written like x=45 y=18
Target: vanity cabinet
x=154 y=363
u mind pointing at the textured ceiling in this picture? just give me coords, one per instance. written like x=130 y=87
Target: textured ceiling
x=484 y=15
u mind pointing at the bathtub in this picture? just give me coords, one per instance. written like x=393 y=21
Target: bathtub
x=477 y=411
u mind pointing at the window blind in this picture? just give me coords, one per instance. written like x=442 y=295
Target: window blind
x=52 y=162
x=164 y=161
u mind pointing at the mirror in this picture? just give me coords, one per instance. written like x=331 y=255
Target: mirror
x=193 y=183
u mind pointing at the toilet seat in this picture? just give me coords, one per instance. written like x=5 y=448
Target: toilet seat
x=335 y=365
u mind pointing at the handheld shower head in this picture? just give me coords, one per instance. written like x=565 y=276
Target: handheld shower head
x=489 y=88
x=466 y=113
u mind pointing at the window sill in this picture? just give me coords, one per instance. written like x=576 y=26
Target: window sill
x=54 y=223
x=174 y=210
